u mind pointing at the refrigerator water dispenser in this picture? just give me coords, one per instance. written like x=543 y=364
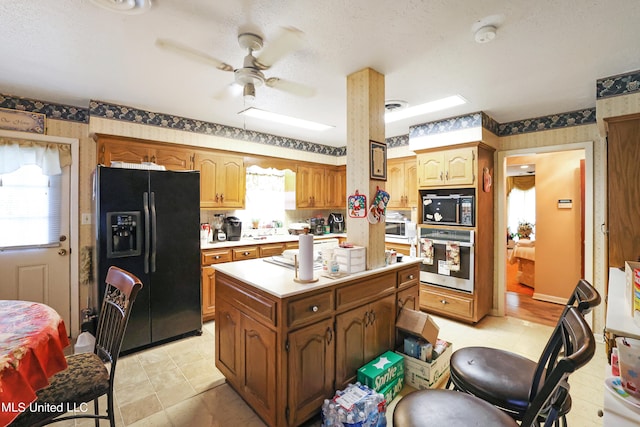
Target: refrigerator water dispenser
x=124 y=238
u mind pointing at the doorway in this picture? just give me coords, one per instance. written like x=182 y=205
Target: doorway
x=518 y=304
x=45 y=271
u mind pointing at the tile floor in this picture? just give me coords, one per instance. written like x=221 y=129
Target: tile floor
x=178 y=385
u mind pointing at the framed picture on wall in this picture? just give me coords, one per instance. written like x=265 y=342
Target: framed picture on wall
x=378 y=161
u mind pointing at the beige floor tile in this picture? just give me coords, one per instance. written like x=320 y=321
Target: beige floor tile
x=169 y=396
x=159 y=419
x=139 y=409
x=185 y=357
x=170 y=378
x=191 y=412
x=133 y=392
x=203 y=367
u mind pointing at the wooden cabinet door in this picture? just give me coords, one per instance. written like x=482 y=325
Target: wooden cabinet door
x=173 y=159
x=350 y=344
x=381 y=327
x=431 y=169
x=335 y=188
x=231 y=182
x=311 y=357
x=207 y=164
x=396 y=183
x=459 y=166
x=623 y=192
x=411 y=183
x=113 y=150
x=258 y=344
x=208 y=293
x=309 y=187
x=228 y=348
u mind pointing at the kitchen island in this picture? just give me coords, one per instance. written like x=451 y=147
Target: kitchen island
x=285 y=346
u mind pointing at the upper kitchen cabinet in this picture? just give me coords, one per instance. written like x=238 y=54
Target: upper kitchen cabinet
x=222 y=180
x=130 y=150
x=454 y=167
x=320 y=187
x=402 y=183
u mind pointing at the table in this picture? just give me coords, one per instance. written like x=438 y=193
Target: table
x=32 y=339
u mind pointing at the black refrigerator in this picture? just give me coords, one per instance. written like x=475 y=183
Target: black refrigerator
x=148 y=223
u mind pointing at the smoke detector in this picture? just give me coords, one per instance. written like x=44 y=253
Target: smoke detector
x=485 y=34
x=395 y=105
x=130 y=7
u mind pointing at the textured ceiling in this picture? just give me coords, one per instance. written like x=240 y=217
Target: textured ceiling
x=545 y=59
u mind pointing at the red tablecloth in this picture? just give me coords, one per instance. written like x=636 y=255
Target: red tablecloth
x=32 y=339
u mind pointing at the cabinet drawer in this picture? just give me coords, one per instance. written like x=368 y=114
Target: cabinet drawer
x=364 y=290
x=271 y=249
x=408 y=277
x=216 y=256
x=245 y=252
x=309 y=308
x=249 y=302
x=445 y=303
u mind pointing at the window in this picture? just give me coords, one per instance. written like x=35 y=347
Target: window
x=521 y=208
x=29 y=208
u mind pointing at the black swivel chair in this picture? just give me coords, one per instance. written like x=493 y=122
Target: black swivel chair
x=549 y=388
x=503 y=378
x=90 y=375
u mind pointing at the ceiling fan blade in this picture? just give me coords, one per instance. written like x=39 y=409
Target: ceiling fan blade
x=289 y=40
x=191 y=53
x=231 y=91
x=291 y=87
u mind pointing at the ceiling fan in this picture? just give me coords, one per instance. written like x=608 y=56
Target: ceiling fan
x=251 y=75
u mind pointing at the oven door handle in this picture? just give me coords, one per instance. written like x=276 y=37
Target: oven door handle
x=444 y=242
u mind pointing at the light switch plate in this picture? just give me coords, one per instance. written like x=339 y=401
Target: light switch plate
x=86 y=219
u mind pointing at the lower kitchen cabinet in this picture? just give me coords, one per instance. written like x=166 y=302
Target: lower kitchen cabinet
x=447 y=302
x=284 y=356
x=362 y=334
x=311 y=356
x=208 y=293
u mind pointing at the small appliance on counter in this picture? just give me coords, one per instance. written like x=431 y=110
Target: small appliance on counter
x=232 y=228
x=218 y=234
x=336 y=222
x=317 y=226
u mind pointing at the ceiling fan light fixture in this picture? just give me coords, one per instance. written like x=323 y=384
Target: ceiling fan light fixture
x=282 y=119
x=130 y=7
x=249 y=92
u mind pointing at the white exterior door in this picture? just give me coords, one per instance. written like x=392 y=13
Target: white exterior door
x=42 y=274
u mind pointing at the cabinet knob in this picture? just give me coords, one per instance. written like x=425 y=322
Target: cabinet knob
x=444 y=301
x=411 y=277
x=246 y=253
x=222 y=197
x=315 y=308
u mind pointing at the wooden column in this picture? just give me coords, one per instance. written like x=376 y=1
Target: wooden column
x=365 y=122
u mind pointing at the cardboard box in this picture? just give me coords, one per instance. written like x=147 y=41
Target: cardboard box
x=418 y=323
x=391 y=390
x=382 y=370
x=632 y=287
x=424 y=375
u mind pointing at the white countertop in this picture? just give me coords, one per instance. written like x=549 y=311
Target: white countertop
x=278 y=238
x=278 y=280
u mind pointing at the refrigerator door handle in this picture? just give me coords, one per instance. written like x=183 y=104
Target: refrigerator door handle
x=154 y=239
x=145 y=202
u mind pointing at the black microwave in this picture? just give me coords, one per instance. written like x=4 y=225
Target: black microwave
x=448 y=209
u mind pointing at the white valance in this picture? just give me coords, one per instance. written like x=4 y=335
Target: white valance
x=51 y=157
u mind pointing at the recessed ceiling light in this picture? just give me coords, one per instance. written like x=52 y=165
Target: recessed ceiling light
x=282 y=119
x=429 y=107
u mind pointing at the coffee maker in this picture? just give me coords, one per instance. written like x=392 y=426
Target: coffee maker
x=336 y=222
x=232 y=228
x=317 y=225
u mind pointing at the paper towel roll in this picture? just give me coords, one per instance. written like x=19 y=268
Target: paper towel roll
x=305 y=257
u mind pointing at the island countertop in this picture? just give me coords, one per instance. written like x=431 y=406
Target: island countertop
x=279 y=281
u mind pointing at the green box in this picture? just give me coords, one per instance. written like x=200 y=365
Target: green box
x=391 y=390
x=382 y=370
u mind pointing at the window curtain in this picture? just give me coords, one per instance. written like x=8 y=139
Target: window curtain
x=523 y=183
x=51 y=158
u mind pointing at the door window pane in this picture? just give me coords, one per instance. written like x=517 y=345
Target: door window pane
x=29 y=208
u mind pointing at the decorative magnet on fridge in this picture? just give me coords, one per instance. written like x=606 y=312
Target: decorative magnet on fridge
x=357 y=205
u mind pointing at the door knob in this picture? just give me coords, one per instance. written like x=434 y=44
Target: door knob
x=62 y=252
